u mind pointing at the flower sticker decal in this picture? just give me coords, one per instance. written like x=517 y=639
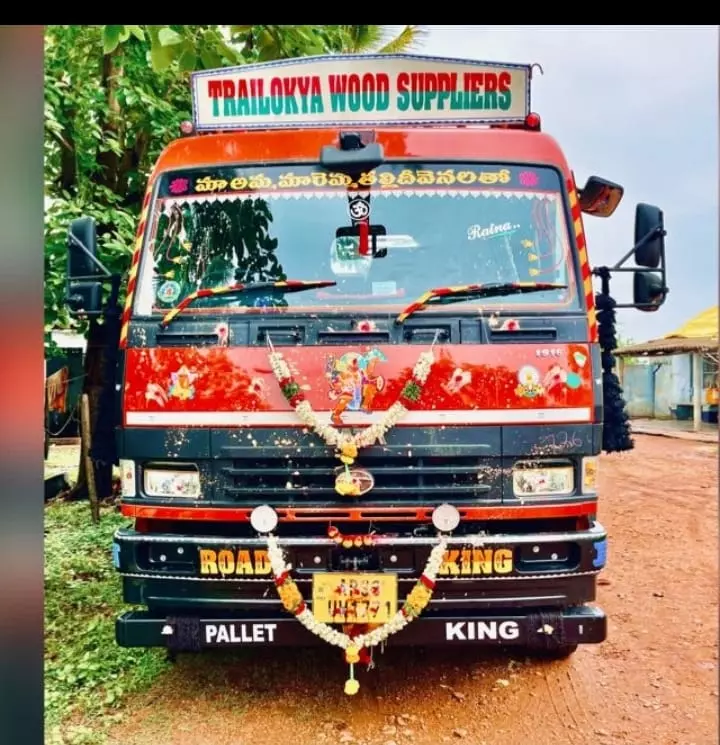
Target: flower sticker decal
x=257 y=387
x=223 y=334
x=458 y=380
x=179 y=186
x=528 y=178
x=155 y=393
x=555 y=378
x=367 y=326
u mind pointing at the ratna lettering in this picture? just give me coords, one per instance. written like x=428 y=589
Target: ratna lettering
x=464 y=631
x=240 y=633
x=470 y=562
x=238 y=562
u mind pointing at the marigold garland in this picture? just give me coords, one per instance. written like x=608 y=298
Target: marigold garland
x=347 y=446
x=350 y=541
x=293 y=602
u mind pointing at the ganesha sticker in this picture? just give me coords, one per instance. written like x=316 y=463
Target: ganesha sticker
x=529 y=383
x=354 y=382
x=181 y=384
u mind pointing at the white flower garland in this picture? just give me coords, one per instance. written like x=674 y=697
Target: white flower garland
x=339 y=638
x=370 y=435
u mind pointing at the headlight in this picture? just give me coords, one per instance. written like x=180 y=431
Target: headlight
x=127 y=478
x=181 y=481
x=590 y=467
x=555 y=481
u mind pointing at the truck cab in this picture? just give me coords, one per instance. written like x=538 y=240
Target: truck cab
x=360 y=380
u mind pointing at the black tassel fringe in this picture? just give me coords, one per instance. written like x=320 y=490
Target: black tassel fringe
x=616 y=422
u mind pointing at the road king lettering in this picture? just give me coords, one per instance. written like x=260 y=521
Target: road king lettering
x=463 y=631
x=226 y=562
x=240 y=633
x=471 y=562
x=321 y=91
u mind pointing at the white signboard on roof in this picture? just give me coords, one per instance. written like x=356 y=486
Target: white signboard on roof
x=360 y=90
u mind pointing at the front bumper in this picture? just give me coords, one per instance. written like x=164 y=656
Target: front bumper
x=533 y=630
x=550 y=570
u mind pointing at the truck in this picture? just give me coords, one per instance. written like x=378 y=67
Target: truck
x=362 y=376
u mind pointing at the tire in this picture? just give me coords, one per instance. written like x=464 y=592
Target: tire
x=562 y=652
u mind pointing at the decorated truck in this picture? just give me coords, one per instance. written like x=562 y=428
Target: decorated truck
x=362 y=376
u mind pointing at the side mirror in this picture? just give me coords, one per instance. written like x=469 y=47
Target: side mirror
x=649 y=287
x=599 y=197
x=649 y=236
x=84 y=298
x=82 y=247
x=84 y=271
x=649 y=291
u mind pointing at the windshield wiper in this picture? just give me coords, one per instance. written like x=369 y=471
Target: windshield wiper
x=458 y=293
x=289 y=285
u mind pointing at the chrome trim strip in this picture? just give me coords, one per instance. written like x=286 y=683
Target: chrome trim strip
x=434 y=601
x=595 y=532
x=451 y=578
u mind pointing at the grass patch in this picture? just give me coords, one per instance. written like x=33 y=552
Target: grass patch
x=63 y=459
x=87 y=674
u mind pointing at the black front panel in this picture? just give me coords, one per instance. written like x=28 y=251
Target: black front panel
x=291 y=329
x=466 y=466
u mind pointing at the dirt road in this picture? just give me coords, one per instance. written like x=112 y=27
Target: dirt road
x=654 y=682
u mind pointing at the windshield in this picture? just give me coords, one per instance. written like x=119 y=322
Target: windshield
x=430 y=225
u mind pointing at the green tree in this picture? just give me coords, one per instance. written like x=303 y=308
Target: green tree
x=377 y=39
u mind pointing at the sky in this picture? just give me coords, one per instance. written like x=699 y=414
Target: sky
x=637 y=106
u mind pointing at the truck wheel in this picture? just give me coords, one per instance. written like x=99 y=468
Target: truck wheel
x=558 y=653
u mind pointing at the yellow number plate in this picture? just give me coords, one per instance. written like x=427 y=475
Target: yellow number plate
x=354 y=597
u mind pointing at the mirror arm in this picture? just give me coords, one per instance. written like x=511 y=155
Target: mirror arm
x=618 y=266
x=635 y=306
x=114 y=290
x=633 y=269
x=89 y=254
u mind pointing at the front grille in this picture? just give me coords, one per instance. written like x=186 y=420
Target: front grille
x=399 y=479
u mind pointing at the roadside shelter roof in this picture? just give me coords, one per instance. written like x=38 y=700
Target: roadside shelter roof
x=699 y=334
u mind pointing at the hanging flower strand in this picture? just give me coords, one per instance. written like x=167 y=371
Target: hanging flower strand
x=415 y=603
x=347 y=446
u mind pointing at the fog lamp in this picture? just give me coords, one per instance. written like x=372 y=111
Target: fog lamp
x=264 y=519
x=445 y=518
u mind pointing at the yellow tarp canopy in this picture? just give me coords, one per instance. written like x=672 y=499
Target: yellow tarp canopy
x=703 y=326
